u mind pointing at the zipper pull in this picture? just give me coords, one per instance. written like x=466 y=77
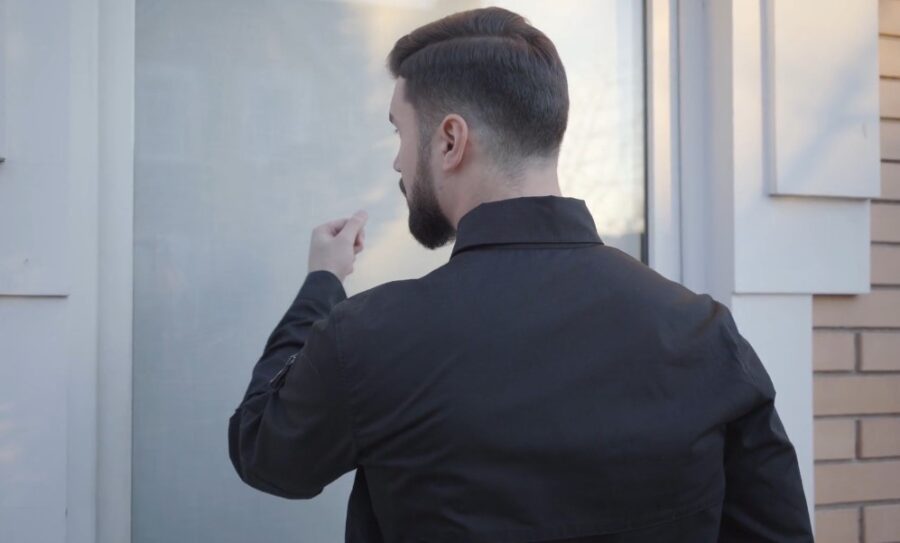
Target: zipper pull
x=279 y=378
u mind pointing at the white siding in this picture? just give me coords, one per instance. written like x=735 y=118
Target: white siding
x=822 y=77
x=66 y=131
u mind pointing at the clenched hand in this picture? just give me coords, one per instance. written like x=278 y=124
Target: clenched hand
x=334 y=245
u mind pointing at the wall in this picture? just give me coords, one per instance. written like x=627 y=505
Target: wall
x=856 y=354
x=66 y=131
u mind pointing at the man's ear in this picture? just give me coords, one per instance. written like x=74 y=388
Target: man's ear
x=452 y=138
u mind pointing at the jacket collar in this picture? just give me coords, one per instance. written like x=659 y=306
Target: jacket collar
x=526 y=219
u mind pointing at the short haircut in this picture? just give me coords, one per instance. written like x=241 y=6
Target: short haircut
x=493 y=68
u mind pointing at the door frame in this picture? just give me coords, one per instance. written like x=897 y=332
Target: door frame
x=663 y=198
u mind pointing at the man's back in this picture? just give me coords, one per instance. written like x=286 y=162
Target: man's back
x=543 y=386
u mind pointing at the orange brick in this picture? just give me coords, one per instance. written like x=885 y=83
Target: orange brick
x=885 y=264
x=890 y=139
x=835 y=439
x=837 y=525
x=885 y=221
x=857 y=481
x=880 y=437
x=889 y=96
x=890 y=180
x=856 y=395
x=880 y=351
x=882 y=523
x=878 y=308
x=889 y=19
x=833 y=350
x=889 y=56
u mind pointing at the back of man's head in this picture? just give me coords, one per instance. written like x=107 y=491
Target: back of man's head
x=496 y=70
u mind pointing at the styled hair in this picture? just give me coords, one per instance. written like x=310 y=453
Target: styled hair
x=493 y=68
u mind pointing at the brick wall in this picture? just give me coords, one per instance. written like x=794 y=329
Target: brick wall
x=856 y=355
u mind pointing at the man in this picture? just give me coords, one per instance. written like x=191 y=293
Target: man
x=539 y=386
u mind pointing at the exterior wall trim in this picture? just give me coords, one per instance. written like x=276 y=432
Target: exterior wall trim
x=115 y=98
x=663 y=186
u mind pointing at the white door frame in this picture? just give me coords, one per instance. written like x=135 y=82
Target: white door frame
x=662 y=129
x=115 y=48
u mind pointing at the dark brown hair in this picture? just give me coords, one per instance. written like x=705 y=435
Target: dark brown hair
x=493 y=68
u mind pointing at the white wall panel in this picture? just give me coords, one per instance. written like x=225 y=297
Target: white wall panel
x=35 y=116
x=822 y=81
x=779 y=328
x=790 y=244
x=49 y=279
x=33 y=380
x=820 y=245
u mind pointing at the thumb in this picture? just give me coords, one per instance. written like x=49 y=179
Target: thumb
x=353 y=225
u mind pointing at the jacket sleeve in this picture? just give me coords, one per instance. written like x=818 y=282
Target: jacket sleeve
x=764 y=498
x=292 y=434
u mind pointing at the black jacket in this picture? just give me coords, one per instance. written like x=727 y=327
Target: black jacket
x=539 y=386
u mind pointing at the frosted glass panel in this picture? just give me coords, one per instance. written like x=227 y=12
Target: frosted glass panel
x=257 y=121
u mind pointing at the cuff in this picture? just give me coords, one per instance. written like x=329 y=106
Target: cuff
x=323 y=286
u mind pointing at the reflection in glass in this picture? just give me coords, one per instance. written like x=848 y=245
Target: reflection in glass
x=256 y=121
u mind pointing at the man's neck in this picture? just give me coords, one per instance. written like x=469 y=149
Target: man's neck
x=532 y=182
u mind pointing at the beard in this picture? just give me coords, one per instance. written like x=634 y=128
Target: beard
x=427 y=223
